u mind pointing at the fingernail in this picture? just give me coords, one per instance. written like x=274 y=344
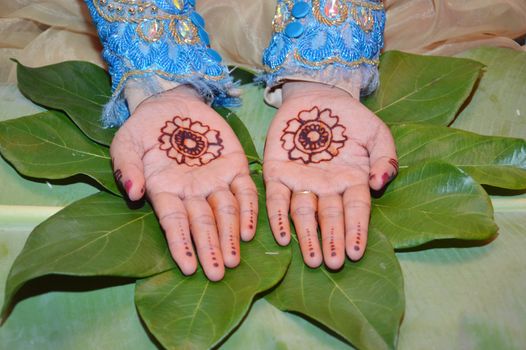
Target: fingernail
x=127 y=185
x=385 y=178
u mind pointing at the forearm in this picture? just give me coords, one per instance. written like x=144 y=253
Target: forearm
x=155 y=46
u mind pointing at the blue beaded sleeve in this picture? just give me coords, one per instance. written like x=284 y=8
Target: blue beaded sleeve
x=163 y=38
x=312 y=35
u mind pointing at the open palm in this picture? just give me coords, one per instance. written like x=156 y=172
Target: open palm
x=324 y=151
x=188 y=161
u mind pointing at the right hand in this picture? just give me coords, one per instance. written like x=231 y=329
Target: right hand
x=324 y=151
x=189 y=162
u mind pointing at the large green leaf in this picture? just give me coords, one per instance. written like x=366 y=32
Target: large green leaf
x=78 y=88
x=255 y=114
x=495 y=319
x=194 y=313
x=47 y=145
x=426 y=89
x=495 y=161
x=241 y=132
x=96 y=236
x=16 y=190
x=431 y=201
x=363 y=302
x=498 y=106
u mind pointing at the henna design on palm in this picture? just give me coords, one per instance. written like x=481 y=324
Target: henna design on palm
x=313 y=136
x=118 y=175
x=190 y=143
x=394 y=163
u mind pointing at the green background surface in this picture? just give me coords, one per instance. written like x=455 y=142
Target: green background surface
x=456 y=298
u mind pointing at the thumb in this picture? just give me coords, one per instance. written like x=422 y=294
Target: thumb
x=383 y=160
x=128 y=168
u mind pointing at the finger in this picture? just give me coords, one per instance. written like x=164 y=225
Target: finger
x=357 y=208
x=127 y=164
x=303 y=212
x=226 y=212
x=174 y=221
x=204 y=233
x=278 y=202
x=383 y=160
x=246 y=194
x=330 y=215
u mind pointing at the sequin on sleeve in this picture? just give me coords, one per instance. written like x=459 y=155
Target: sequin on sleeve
x=160 y=38
x=312 y=35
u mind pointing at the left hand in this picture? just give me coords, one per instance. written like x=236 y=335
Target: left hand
x=324 y=150
x=187 y=160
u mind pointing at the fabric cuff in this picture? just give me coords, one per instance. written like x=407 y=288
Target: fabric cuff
x=158 y=44
x=334 y=42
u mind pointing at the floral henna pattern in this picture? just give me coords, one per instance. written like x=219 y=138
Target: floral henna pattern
x=313 y=136
x=190 y=143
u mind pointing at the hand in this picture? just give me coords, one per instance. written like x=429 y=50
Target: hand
x=324 y=150
x=189 y=162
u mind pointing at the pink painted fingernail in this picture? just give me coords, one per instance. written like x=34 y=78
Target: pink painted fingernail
x=127 y=185
x=385 y=178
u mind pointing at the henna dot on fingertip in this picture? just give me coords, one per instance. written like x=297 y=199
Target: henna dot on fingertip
x=282 y=234
x=189 y=254
x=216 y=265
x=356 y=248
x=313 y=260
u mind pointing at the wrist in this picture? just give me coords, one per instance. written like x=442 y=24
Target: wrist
x=294 y=89
x=183 y=94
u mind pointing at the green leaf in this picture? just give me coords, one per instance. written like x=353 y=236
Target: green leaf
x=241 y=132
x=363 y=302
x=242 y=75
x=194 y=313
x=426 y=89
x=47 y=145
x=80 y=89
x=498 y=106
x=96 y=236
x=255 y=114
x=495 y=161
x=431 y=201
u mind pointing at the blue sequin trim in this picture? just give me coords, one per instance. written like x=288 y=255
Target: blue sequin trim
x=342 y=33
x=157 y=38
